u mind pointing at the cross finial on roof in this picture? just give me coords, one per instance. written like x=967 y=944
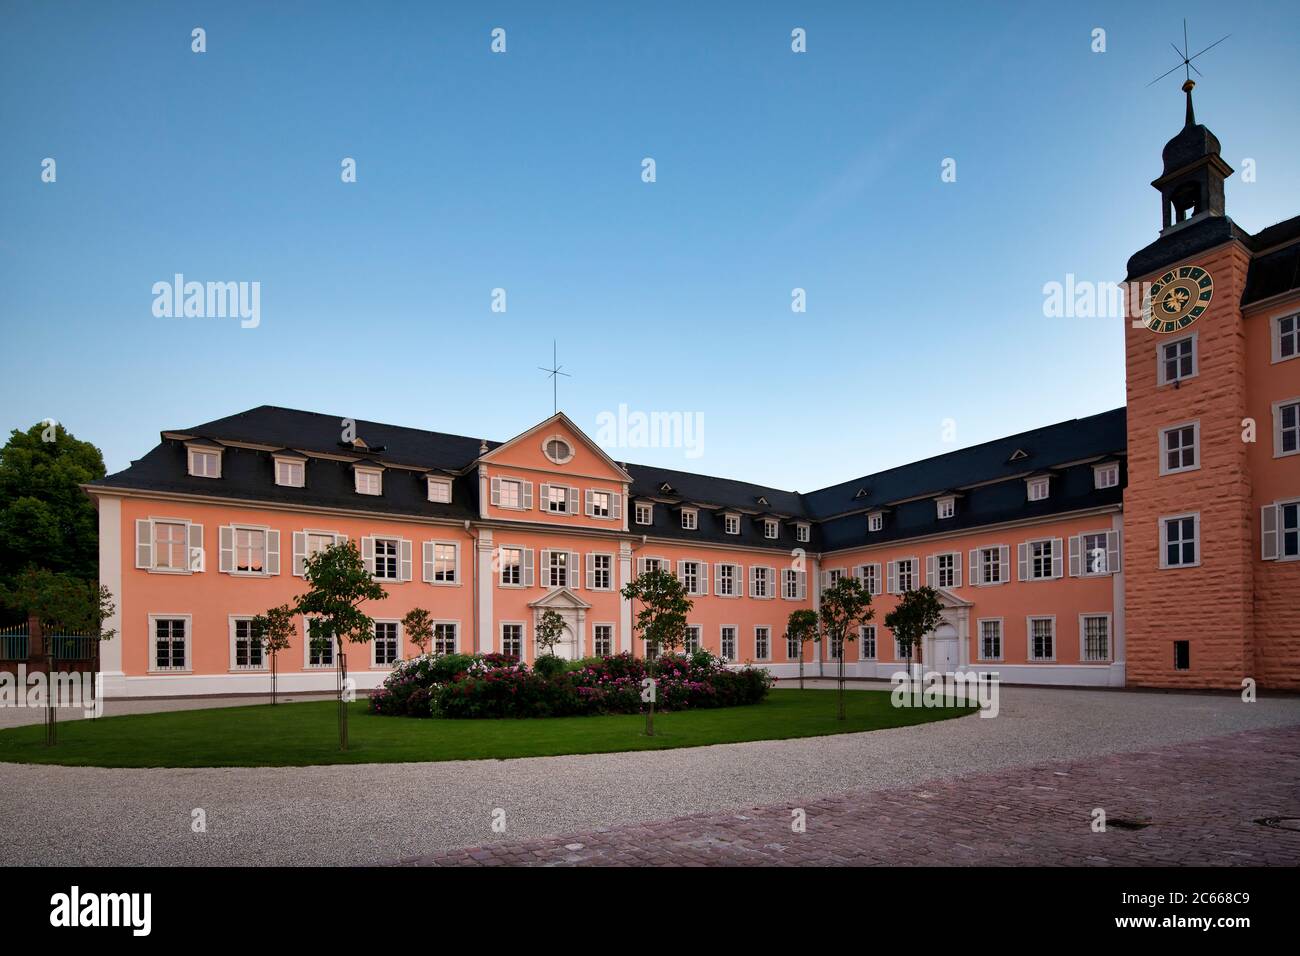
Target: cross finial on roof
x=1188 y=68
x=554 y=373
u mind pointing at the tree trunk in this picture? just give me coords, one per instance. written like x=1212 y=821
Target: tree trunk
x=273 y=676
x=650 y=714
x=342 y=672
x=51 y=712
x=841 y=656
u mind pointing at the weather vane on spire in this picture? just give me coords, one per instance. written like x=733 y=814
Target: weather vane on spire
x=1186 y=61
x=554 y=372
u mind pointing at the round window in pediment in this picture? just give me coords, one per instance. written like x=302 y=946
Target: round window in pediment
x=558 y=450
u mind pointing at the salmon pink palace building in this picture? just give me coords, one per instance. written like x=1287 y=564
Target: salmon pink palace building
x=1157 y=545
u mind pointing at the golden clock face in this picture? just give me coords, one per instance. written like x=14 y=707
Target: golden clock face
x=1177 y=299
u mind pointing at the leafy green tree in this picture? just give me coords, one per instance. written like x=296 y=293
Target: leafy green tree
x=275 y=629
x=549 y=631
x=845 y=606
x=661 y=622
x=47 y=520
x=802 y=627
x=917 y=613
x=418 y=625
x=338 y=585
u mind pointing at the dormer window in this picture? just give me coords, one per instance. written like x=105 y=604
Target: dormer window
x=771 y=528
x=369 y=481
x=1038 y=488
x=690 y=519
x=803 y=532
x=731 y=524
x=205 y=462
x=558 y=450
x=440 y=490
x=946 y=507
x=1105 y=475
x=875 y=521
x=290 y=472
x=645 y=514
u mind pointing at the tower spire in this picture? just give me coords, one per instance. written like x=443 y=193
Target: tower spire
x=1188 y=86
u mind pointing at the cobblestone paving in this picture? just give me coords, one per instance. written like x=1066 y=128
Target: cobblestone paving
x=1200 y=801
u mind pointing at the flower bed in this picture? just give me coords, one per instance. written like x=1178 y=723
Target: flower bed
x=494 y=685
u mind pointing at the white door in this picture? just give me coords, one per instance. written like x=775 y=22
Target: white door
x=945 y=649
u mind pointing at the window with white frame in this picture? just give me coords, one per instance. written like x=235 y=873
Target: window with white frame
x=510 y=493
x=792 y=584
x=946 y=507
x=444 y=637
x=1105 y=476
x=205 y=462
x=247 y=652
x=993 y=565
x=1097 y=553
x=869 y=575
x=690 y=519
x=833 y=576
x=902 y=574
x=290 y=473
x=249 y=550
x=1179 y=541
x=1042 y=559
x=728 y=643
x=692 y=639
x=171 y=551
x=762 y=643
x=557 y=499
x=171 y=643
x=307 y=544
x=1042 y=638
x=727 y=576
x=867 y=635
x=602 y=640
x=1038 y=488
x=512 y=567
x=1280 y=531
x=320 y=650
x=369 y=481
x=945 y=570
x=803 y=533
x=990 y=632
x=1179 y=448
x=644 y=514
x=731 y=524
x=836 y=647
x=760 y=582
x=649 y=564
x=875 y=521
x=600 y=504
x=384 y=645
x=512 y=640
x=440 y=490
x=446 y=557
x=387 y=559
x=600 y=571
x=556 y=569
x=1094 y=635
x=771 y=528
x=1286 y=428
x=692 y=576
x=1177 y=360
x=793 y=648
x=1286 y=337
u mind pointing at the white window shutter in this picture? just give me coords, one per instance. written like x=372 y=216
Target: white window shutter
x=589 y=502
x=1004 y=563
x=404 y=565
x=1058 y=557
x=956 y=569
x=456 y=569
x=368 y=552
x=591 y=562
x=545 y=558
x=616 y=504
x=528 y=495
x=427 y=562
x=1112 y=551
x=640 y=566
x=1268 y=532
x=930 y=578
x=196 y=547
x=299 y=552
x=703 y=577
x=717 y=579
x=272 y=552
x=226 y=539
x=681 y=571
x=575 y=563
x=528 y=567
x=802 y=584
x=544 y=497
x=572 y=503
x=496 y=491
x=1076 y=556
x=976 y=570
x=753 y=581
x=893 y=577
x=1022 y=560
x=143 y=543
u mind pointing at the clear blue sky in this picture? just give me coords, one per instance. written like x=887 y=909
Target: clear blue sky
x=522 y=171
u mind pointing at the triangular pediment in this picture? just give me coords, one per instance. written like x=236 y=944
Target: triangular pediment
x=948 y=599
x=530 y=450
x=560 y=599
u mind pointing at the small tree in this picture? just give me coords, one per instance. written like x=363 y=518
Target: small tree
x=549 y=631
x=339 y=582
x=275 y=629
x=845 y=606
x=917 y=613
x=59 y=601
x=801 y=627
x=418 y=625
x=661 y=622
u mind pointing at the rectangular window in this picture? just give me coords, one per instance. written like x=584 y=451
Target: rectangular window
x=1286 y=428
x=1038 y=488
x=651 y=564
x=904 y=575
x=384 y=646
x=171 y=546
x=1105 y=476
x=602 y=572
x=833 y=577
x=793 y=648
x=512 y=495
x=1177 y=360
x=1042 y=638
x=946 y=507
x=792 y=584
x=557 y=499
x=386 y=559
x=1179 y=448
x=247 y=651
x=875 y=521
x=728 y=646
x=690 y=520
x=557 y=569
x=991 y=640
x=727 y=574
x=1182 y=655
x=290 y=474
x=444 y=563
x=945 y=570
x=991 y=567
x=867 y=634
x=1289 y=529
x=836 y=647
x=1094 y=630
x=320 y=651
x=170 y=643
x=512 y=564
x=602 y=640
x=1178 y=540
x=250 y=551
x=205 y=464
x=1040 y=559
x=512 y=640
x=869 y=574
x=1094 y=550
x=369 y=482
x=760 y=582
x=732 y=524
x=770 y=528
x=444 y=638
x=692 y=642
x=762 y=643
x=440 y=491
x=600 y=504
x=1286 y=343
x=803 y=533
x=644 y=514
x=691 y=577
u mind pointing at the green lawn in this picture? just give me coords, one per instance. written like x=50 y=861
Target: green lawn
x=301 y=734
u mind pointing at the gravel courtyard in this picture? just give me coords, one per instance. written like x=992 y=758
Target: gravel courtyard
x=378 y=813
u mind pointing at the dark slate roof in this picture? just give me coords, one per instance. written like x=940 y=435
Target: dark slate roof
x=1187 y=240
x=1192 y=142
x=1277 y=269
